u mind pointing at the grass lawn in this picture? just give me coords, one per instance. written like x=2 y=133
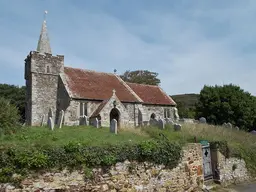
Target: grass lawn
x=39 y=136
x=239 y=142
x=36 y=136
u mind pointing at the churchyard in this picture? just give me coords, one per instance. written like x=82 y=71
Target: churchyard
x=240 y=143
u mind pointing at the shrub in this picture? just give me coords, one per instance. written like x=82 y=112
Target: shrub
x=74 y=155
x=9 y=117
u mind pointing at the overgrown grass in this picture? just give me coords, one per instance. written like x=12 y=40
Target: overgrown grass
x=30 y=137
x=240 y=143
x=90 y=146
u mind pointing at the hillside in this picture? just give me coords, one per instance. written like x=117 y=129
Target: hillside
x=188 y=100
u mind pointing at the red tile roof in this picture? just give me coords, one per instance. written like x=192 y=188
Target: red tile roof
x=86 y=84
x=151 y=94
x=98 y=110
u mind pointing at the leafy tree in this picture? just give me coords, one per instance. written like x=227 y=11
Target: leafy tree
x=9 y=117
x=185 y=112
x=228 y=103
x=16 y=96
x=141 y=77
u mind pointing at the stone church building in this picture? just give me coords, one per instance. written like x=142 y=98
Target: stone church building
x=80 y=92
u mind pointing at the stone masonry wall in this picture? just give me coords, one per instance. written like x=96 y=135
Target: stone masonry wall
x=157 y=110
x=44 y=82
x=228 y=170
x=125 y=176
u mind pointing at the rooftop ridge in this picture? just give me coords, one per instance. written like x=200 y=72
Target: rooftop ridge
x=89 y=70
x=143 y=84
x=129 y=88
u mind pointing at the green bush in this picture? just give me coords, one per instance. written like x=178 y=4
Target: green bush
x=76 y=155
x=9 y=117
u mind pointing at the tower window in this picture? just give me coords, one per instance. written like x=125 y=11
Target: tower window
x=48 y=69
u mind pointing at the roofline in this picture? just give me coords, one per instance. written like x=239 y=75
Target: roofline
x=169 y=105
x=76 y=98
x=128 y=87
x=64 y=81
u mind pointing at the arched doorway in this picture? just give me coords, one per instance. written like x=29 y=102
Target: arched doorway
x=152 y=116
x=115 y=114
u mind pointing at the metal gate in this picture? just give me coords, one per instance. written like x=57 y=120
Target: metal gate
x=207 y=162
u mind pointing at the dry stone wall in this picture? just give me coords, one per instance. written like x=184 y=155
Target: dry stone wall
x=125 y=176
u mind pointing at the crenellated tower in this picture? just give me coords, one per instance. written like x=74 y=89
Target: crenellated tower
x=42 y=71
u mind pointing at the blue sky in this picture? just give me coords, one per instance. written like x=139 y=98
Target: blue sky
x=189 y=43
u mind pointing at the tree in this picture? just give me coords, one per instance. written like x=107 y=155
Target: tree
x=16 y=96
x=141 y=77
x=185 y=112
x=228 y=103
x=9 y=117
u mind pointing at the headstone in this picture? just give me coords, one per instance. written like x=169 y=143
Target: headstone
x=229 y=125
x=161 y=124
x=84 y=120
x=177 y=127
x=50 y=113
x=42 y=121
x=50 y=123
x=202 y=120
x=61 y=118
x=113 y=126
x=153 y=122
x=237 y=128
x=176 y=114
x=224 y=124
x=169 y=121
x=96 y=123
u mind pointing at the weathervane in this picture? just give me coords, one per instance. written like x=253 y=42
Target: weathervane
x=45 y=13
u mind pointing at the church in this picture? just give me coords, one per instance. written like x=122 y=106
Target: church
x=82 y=93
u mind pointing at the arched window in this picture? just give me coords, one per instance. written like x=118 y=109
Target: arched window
x=153 y=116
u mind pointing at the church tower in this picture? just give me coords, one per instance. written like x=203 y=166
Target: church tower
x=42 y=71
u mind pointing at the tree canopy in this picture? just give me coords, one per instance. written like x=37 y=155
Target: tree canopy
x=228 y=103
x=141 y=77
x=16 y=96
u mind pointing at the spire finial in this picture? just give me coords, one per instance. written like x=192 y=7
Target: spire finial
x=45 y=13
x=43 y=45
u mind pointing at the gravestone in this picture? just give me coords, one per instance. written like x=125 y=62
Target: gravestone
x=50 y=123
x=169 y=121
x=84 y=120
x=229 y=125
x=42 y=121
x=202 y=120
x=237 y=128
x=177 y=127
x=50 y=113
x=161 y=124
x=113 y=126
x=153 y=122
x=224 y=124
x=96 y=123
x=176 y=114
x=61 y=118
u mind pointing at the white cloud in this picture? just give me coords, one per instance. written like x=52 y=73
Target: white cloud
x=202 y=44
